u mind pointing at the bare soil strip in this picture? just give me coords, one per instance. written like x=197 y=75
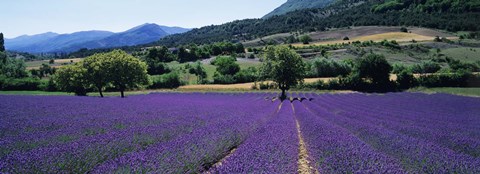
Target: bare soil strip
x=220 y=163
x=303 y=162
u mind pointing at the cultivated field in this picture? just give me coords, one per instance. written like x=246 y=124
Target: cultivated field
x=240 y=133
x=362 y=33
x=397 y=36
x=57 y=63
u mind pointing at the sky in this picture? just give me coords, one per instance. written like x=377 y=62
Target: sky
x=19 y=17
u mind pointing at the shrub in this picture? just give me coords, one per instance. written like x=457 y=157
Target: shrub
x=352 y=82
x=223 y=79
x=458 y=65
x=456 y=79
x=265 y=86
x=376 y=70
x=405 y=80
x=403 y=29
x=48 y=85
x=305 y=39
x=397 y=68
x=158 y=68
x=322 y=67
x=226 y=65
x=22 y=84
x=170 y=80
x=246 y=75
x=426 y=67
x=390 y=44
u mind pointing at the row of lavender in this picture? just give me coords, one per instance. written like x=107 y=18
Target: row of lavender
x=392 y=133
x=240 y=133
x=160 y=133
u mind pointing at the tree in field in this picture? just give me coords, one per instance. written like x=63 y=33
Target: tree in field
x=284 y=66
x=2 y=42
x=226 y=65
x=375 y=69
x=305 y=39
x=199 y=71
x=71 y=78
x=96 y=67
x=3 y=56
x=125 y=71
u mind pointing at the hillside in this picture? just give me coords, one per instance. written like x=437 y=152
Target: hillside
x=452 y=16
x=52 y=42
x=292 y=5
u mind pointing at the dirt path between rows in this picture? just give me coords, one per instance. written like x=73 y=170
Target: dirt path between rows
x=303 y=162
x=220 y=162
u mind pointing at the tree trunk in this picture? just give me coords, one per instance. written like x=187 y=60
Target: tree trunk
x=121 y=92
x=100 y=91
x=283 y=96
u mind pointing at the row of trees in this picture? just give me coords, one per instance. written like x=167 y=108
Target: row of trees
x=10 y=67
x=228 y=71
x=113 y=69
x=193 y=52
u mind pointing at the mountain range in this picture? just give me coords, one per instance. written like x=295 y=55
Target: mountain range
x=53 y=42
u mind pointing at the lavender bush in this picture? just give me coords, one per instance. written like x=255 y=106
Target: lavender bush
x=240 y=133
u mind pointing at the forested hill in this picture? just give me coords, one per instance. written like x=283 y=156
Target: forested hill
x=292 y=5
x=450 y=15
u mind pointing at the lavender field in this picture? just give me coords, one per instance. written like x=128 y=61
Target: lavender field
x=240 y=133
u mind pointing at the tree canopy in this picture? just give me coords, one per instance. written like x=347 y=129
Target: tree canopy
x=116 y=68
x=2 y=42
x=376 y=69
x=284 y=66
x=72 y=79
x=97 y=71
x=126 y=71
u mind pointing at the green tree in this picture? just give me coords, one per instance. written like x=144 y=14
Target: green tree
x=96 y=67
x=199 y=71
x=226 y=65
x=405 y=79
x=11 y=67
x=71 y=78
x=305 y=39
x=126 y=71
x=161 y=54
x=2 y=42
x=284 y=66
x=376 y=69
x=239 y=48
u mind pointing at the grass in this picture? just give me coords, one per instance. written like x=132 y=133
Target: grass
x=398 y=36
x=456 y=91
x=210 y=69
x=466 y=54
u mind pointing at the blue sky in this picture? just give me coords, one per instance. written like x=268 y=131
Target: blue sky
x=20 y=17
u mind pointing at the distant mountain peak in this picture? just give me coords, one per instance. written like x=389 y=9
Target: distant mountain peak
x=54 y=42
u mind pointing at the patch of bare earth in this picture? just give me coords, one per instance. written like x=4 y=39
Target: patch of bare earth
x=303 y=162
x=220 y=163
